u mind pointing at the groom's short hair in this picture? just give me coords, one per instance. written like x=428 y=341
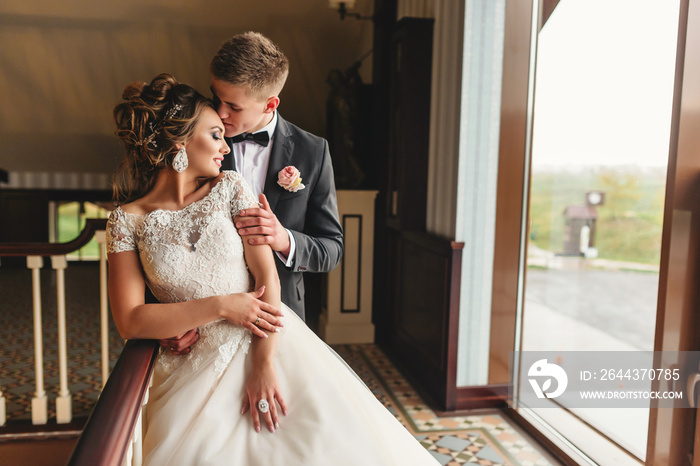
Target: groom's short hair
x=252 y=61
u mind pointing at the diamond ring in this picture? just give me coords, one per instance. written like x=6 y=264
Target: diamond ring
x=256 y=321
x=263 y=406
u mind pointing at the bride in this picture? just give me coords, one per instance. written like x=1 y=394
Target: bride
x=256 y=363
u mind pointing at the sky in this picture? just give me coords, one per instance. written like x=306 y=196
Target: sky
x=604 y=83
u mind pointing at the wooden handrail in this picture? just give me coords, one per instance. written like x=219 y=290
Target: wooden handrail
x=55 y=249
x=108 y=431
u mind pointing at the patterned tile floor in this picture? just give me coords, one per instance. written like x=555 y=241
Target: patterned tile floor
x=483 y=438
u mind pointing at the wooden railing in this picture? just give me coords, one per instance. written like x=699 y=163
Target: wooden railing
x=112 y=434
x=93 y=227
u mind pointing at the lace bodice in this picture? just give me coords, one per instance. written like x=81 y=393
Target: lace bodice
x=190 y=254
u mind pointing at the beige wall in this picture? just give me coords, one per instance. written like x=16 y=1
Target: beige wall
x=64 y=64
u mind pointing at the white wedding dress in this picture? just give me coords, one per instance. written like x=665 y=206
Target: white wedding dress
x=193 y=413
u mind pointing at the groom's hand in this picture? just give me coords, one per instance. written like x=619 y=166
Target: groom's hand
x=261 y=221
x=182 y=343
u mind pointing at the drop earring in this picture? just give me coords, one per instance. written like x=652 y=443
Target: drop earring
x=180 y=160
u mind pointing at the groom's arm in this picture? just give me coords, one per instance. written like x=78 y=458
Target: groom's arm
x=319 y=247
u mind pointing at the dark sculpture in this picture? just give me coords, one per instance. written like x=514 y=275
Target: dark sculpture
x=349 y=127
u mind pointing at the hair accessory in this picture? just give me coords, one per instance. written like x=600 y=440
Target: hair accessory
x=173 y=111
x=150 y=139
x=180 y=160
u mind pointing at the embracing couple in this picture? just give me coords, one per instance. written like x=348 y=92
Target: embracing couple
x=221 y=206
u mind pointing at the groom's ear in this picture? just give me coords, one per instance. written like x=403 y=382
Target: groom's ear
x=271 y=104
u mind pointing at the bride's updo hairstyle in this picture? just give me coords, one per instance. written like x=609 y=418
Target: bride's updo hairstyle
x=152 y=119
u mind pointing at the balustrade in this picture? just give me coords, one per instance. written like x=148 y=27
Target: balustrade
x=112 y=435
x=35 y=253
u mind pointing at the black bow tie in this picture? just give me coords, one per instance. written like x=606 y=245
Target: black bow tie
x=261 y=137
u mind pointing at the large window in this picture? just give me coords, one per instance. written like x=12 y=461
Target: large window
x=602 y=116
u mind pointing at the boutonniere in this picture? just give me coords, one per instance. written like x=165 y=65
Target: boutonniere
x=290 y=179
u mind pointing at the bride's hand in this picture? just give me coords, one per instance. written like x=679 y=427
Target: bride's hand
x=181 y=344
x=262 y=385
x=247 y=310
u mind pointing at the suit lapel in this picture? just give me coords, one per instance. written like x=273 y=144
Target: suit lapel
x=280 y=157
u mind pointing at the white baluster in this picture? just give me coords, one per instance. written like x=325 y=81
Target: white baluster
x=53 y=224
x=129 y=455
x=137 y=441
x=101 y=238
x=138 y=430
x=3 y=416
x=39 y=402
x=64 y=406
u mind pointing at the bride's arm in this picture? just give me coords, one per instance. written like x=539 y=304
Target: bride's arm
x=135 y=319
x=262 y=383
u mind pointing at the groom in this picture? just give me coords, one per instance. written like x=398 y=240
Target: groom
x=289 y=168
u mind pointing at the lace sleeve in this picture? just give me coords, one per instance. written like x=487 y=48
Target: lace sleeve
x=120 y=235
x=242 y=196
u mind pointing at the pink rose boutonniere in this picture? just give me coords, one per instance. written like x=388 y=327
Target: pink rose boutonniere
x=290 y=179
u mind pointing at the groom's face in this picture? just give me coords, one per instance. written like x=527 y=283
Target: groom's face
x=240 y=112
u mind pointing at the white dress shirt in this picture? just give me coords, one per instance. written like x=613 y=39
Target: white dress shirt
x=252 y=161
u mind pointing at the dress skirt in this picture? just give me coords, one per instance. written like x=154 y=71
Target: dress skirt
x=193 y=415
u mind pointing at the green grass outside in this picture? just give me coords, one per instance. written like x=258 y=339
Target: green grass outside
x=71 y=222
x=629 y=224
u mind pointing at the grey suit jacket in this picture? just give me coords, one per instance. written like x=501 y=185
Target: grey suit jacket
x=311 y=214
